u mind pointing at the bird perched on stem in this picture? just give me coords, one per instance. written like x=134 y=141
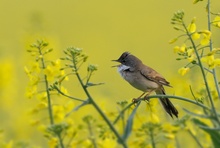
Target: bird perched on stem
x=145 y=79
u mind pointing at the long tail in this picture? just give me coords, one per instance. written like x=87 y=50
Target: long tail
x=167 y=105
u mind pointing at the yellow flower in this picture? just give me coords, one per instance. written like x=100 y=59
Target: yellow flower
x=53 y=143
x=209 y=60
x=35 y=67
x=87 y=143
x=217 y=62
x=191 y=55
x=214 y=94
x=170 y=129
x=181 y=49
x=9 y=145
x=42 y=96
x=176 y=49
x=151 y=106
x=49 y=71
x=169 y=136
x=216 y=21
x=214 y=51
x=191 y=58
x=59 y=113
x=154 y=118
x=108 y=143
x=173 y=40
x=42 y=105
x=183 y=70
x=27 y=71
x=34 y=122
x=192 y=27
x=206 y=37
x=53 y=71
x=204 y=41
x=42 y=128
x=31 y=91
x=195 y=36
x=56 y=63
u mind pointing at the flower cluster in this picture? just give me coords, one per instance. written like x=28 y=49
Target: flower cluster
x=196 y=44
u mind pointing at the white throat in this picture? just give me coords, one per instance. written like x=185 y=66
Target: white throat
x=122 y=68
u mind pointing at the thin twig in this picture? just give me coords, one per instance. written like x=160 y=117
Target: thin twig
x=50 y=110
x=98 y=109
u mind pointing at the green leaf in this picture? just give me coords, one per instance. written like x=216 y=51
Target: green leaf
x=214 y=134
x=195 y=114
x=196 y=1
x=78 y=107
x=128 y=127
x=93 y=84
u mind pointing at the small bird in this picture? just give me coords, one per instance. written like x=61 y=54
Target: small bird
x=145 y=79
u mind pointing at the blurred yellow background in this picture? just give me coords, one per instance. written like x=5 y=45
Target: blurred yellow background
x=103 y=29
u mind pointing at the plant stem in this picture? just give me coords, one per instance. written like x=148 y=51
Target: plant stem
x=122 y=111
x=50 y=110
x=180 y=98
x=195 y=138
x=120 y=140
x=211 y=48
x=92 y=137
x=152 y=138
x=61 y=141
x=59 y=91
x=203 y=72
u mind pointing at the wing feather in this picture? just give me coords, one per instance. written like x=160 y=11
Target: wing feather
x=152 y=75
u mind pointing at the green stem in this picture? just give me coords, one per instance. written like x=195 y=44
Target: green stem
x=160 y=96
x=122 y=112
x=177 y=142
x=92 y=137
x=152 y=139
x=180 y=98
x=61 y=141
x=59 y=91
x=211 y=48
x=50 y=110
x=195 y=138
x=203 y=72
x=99 y=110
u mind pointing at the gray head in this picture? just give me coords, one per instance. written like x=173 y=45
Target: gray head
x=128 y=59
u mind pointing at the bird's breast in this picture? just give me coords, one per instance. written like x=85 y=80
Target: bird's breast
x=122 y=69
x=136 y=79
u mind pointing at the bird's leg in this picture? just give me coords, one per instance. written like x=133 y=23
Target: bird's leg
x=135 y=100
x=145 y=97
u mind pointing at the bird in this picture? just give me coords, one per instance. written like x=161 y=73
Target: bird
x=145 y=79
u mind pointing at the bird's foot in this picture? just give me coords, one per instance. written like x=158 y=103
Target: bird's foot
x=146 y=98
x=136 y=100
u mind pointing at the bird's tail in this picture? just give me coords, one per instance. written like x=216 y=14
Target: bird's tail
x=167 y=105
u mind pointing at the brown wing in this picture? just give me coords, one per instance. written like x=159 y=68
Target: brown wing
x=152 y=75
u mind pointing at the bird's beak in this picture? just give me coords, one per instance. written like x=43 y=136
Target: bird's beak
x=115 y=60
x=116 y=65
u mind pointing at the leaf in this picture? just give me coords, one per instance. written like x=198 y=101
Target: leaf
x=214 y=134
x=78 y=107
x=93 y=84
x=195 y=114
x=128 y=127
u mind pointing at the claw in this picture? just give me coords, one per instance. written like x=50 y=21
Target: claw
x=146 y=98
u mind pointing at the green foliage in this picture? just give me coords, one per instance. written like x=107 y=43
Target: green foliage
x=214 y=133
x=200 y=52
